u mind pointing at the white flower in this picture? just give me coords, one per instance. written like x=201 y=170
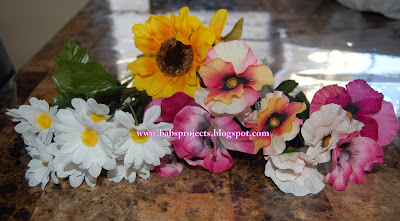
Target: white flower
x=75 y=174
x=325 y=128
x=120 y=172
x=42 y=164
x=37 y=118
x=96 y=112
x=140 y=152
x=294 y=173
x=83 y=143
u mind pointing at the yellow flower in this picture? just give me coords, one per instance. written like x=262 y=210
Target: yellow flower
x=174 y=49
x=218 y=22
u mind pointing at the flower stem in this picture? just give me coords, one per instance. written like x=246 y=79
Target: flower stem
x=134 y=115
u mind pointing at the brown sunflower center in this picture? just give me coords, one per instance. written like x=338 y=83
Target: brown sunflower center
x=174 y=58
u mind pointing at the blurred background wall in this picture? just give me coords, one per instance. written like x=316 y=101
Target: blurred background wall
x=26 y=25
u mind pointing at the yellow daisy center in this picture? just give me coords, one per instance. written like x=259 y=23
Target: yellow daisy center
x=231 y=83
x=89 y=138
x=326 y=140
x=46 y=164
x=274 y=122
x=349 y=115
x=97 y=117
x=174 y=58
x=44 y=121
x=138 y=138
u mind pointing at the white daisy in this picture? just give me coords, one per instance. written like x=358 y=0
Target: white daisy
x=97 y=112
x=42 y=165
x=75 y=174
x=141 y=152
x=83 y=142
x=37 y=118
x=120 y=172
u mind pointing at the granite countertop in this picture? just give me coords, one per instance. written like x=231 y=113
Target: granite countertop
x=315 y=42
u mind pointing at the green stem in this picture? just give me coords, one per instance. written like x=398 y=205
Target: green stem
x=134 y=115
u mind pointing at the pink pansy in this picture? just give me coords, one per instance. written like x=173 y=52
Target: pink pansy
x=363 y=104
x=232 y=74
x=170 y=106
x=204 y=149
x=351 y=158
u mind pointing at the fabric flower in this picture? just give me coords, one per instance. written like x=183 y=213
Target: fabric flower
x=232 y=74
x=207 y=150
x=278 y=117
x=294 y=173
x=363 y=104
x=41 y=167
x=37 y=118
x=120 y=172
x=83 y=143
x=174 y=49
x=323 y=130
x=75 y=174
x=141 y=152
x=218 y=22
x=97 y=112
x=351 y=158
x=170 y=106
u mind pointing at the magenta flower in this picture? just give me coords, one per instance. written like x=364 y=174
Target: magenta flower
x=170 y=106
x=206 y=150
x=351 y=158
x=363 y=104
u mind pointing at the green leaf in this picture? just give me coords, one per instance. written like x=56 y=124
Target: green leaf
x=235 y=33
x=301 y=97
x=287 y=86
x=291 y=150
x=71 y=51
x=83 y=78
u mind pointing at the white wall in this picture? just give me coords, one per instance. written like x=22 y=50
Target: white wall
x=26 y=25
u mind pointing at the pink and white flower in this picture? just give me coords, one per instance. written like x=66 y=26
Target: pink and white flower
x=235 y=79
x=323 y=130
x=351 y=158
x=364 y=104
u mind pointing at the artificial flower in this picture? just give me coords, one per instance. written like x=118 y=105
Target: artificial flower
x=363 y=104
x=294 y=173
x=120 y=172
x=205 y=149
x=323 y=130
x=83 y=142
x=37 y=118
x=141 y=152
x=97 y=112
x=232 y=74
x=170 y=106
x=218 y=22
x=174 y=49
x=41 y=167
x=75 y=174
x=351 y=158
x=278 y=117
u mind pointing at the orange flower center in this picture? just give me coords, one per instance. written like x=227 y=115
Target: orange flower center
x=174 y=58
x=274 y=122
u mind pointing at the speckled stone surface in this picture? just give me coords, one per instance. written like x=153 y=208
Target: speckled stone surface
x=284 y=34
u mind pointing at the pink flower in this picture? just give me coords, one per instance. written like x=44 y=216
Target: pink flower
x=206 y=150
x=170 y=106
x=350 y=159
x=232 y=74
x=363 y=104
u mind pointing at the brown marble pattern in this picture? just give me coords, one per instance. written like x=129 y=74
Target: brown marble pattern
x=242 y=193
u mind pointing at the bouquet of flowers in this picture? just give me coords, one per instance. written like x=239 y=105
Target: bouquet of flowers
x=194 y=96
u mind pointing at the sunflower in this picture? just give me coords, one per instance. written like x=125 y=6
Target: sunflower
x=173 y=48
